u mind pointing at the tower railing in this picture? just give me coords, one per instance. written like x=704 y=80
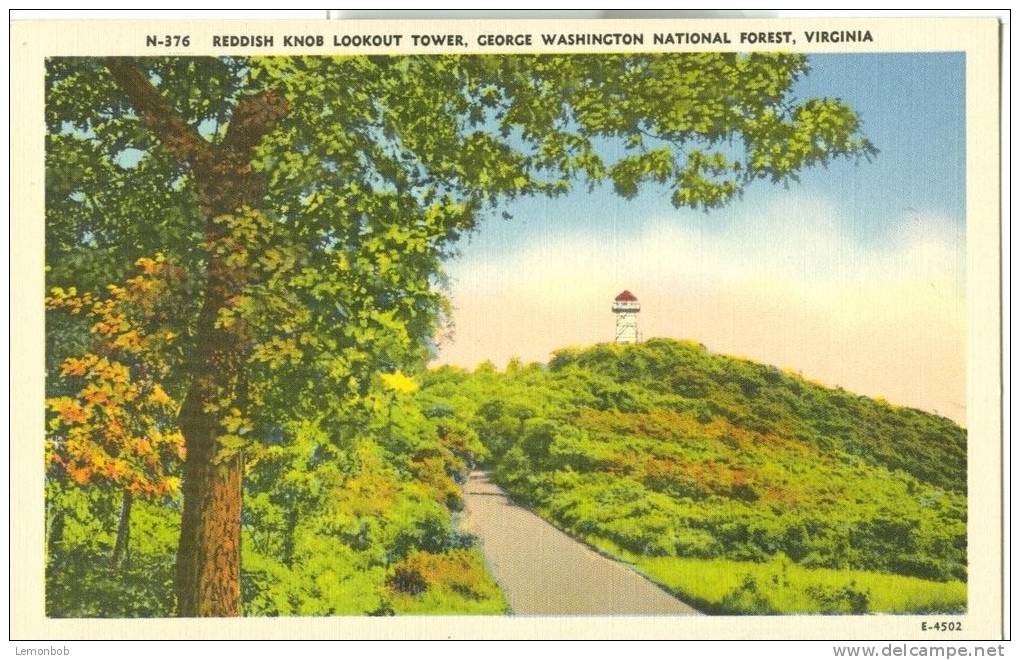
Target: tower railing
x=624 y=306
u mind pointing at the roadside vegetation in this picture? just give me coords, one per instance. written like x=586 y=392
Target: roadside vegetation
x=349 y=520
x=739 y=487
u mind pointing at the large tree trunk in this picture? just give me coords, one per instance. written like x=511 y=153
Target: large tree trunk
x=208 y=572
x=208 y=567
x=123 y=530
x=208 y=580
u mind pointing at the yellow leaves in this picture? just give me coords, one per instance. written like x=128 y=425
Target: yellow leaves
x=159 y=396
x=314 y=201
x=129 y=340
x=77 y=366
x=225 y=317
x=114 y=372
x=229 y=446
x=68 y=300
x=246 y=229
x=368 y=494
x=59 y=293
x=174 y=441
x=399 y=383
x=278 y=260
x=110 y=322
x=151 y=265
x=68 y=410
x=97 y=395
x=141 y=446
x=236 y=258
x=116 y=292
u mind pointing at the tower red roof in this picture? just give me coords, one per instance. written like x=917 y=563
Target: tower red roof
x=626 y=296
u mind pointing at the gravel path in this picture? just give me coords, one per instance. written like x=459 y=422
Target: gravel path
x=544 y=571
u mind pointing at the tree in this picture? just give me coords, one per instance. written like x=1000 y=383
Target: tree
x=311 y=200
x=115 y=427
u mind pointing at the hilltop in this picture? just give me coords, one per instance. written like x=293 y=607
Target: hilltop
x=739 y=486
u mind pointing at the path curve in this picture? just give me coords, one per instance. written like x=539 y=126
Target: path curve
x=543 y=571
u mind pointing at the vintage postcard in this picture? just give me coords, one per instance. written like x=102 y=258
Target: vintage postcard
x=496 y=329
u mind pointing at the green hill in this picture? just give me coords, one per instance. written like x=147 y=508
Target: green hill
x=739 y=486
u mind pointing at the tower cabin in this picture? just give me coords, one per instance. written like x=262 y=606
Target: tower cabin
x=626 y=308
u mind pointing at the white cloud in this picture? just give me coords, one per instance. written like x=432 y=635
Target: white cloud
x=787 y=284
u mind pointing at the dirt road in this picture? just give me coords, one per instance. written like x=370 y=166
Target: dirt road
x=544 y=571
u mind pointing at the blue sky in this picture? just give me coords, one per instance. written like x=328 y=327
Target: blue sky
x=853 y=275
x=912 y=109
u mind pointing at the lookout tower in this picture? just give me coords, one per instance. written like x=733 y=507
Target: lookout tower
x=626 y=308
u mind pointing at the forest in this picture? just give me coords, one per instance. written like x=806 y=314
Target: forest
x=353 y=520
x=739 y=487
x=245 y=283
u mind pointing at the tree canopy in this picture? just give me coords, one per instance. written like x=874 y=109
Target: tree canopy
x=305 y=206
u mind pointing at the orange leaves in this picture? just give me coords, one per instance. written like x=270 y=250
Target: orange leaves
x=110 y=434
x=115 y=470
x=140 y=446
x=453 y=570
x=80 y=475
x=114 y=372
x=68 y=410
x=150 y=266
x=119 y=427
x=77 y=366
x=97 y=395
x=140 y=316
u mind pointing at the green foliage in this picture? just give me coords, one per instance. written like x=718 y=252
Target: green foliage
x=377 y=165
x=664 y=450
x=334 y=518
x=305 y=205
x=80 y=581
x=779 y=586
x=331 y=516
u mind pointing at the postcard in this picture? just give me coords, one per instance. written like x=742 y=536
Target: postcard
x=679 y=329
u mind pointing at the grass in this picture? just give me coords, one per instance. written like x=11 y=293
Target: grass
x=721 y=586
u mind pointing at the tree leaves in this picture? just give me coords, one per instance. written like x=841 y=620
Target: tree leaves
x=356 y=176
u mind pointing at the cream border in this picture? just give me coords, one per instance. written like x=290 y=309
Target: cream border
x=32 y=41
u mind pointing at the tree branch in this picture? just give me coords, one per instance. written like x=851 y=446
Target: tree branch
x=223 y=172
x=253 y=117
x=160 y=117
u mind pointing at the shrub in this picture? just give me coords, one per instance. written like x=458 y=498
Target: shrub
x=847 y=599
